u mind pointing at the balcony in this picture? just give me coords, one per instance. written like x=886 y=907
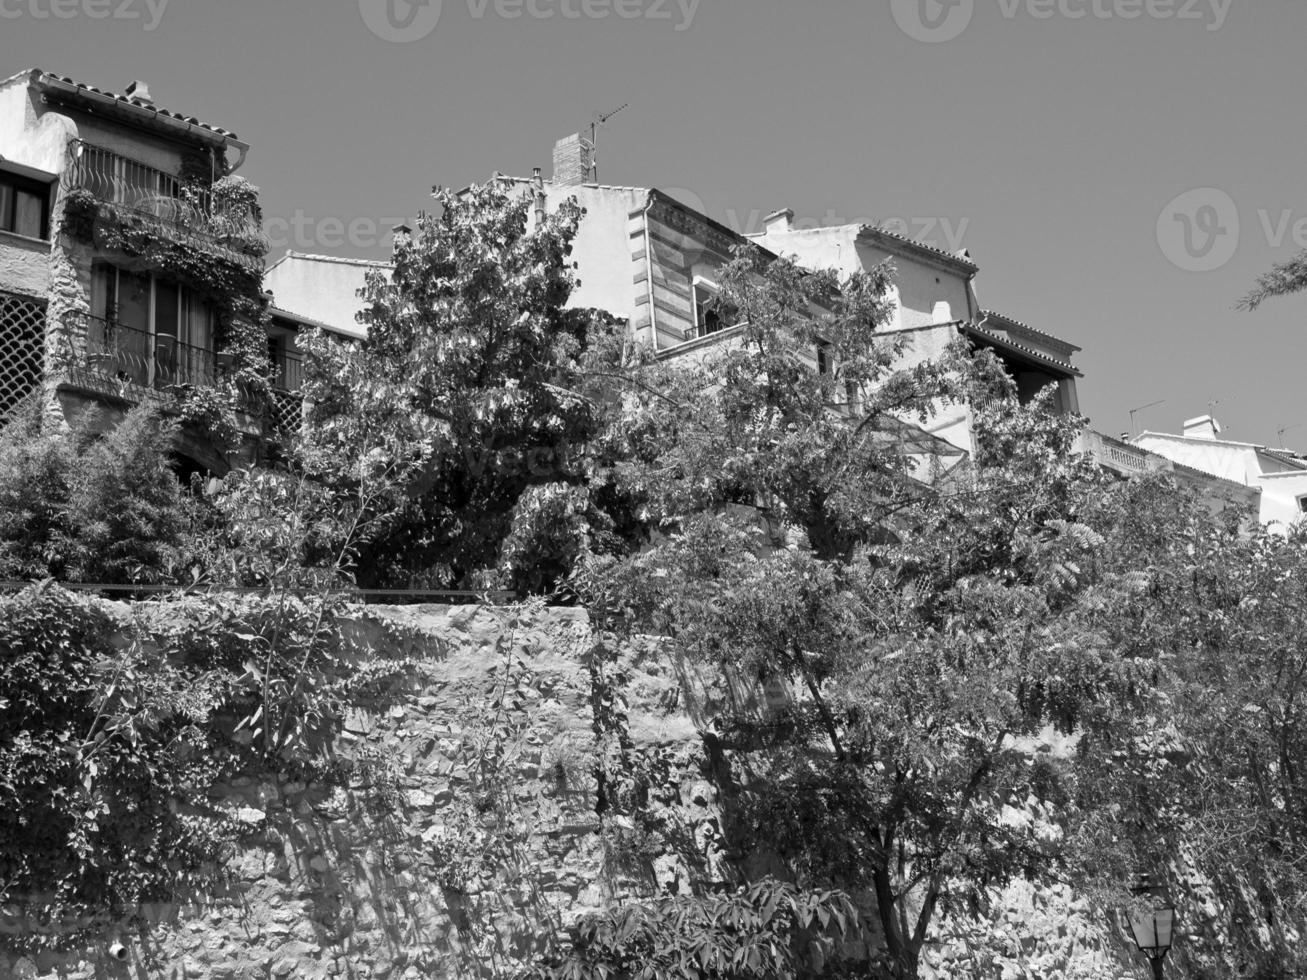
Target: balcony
x=128 y=188
x=127 y=355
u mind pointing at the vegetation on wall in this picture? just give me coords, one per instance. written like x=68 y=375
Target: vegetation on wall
x=220 y=259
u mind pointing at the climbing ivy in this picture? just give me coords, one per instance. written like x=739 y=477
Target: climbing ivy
x=221 y=261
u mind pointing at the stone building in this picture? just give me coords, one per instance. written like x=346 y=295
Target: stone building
x=131 y=261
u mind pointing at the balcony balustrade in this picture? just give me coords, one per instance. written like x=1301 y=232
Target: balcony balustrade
x=144 y=358
x=164 y=199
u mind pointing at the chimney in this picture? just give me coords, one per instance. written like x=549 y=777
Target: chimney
x=1203 y=427
x=571 y=161
x=778 y=222
x=139 y=91
x=538 y=192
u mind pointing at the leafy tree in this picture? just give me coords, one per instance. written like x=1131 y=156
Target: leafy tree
x=466 y=389
x=755 y=424
x=1206 y=789
x=929 y=626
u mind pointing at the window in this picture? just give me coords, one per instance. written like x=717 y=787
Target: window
x=711 y=313
x=1302 y=505
x=824 y=365
x=24 y=206
x=161 y=331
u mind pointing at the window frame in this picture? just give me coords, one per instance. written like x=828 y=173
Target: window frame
x=35 y=187
x=705 y=285
x=109 y=308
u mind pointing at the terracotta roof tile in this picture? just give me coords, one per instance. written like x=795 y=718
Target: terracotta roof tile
x=46 y=77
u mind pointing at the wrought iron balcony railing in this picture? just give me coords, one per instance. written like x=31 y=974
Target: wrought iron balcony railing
x=141 y=357
x=162 y=197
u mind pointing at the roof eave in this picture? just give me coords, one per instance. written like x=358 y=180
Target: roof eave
x=146 y=115
x=934 y=256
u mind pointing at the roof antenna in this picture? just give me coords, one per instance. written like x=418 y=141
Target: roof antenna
x=592 y=145
x=1279 y=433
x=1136 y=411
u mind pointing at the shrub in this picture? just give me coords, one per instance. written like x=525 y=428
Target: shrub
x=80 y=506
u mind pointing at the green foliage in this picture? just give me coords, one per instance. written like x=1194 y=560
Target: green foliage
x=105 y=760
x=112 y=734
x=466 y=390
x=768 y=930
x=1205 y=790
x=92 y=508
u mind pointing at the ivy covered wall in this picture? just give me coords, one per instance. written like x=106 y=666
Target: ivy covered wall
x=467 y=831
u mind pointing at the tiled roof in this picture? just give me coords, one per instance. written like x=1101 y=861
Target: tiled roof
x=951 y=257
x=1003 y=318
x=50 y=80
x=338 y=259
x=998 y=339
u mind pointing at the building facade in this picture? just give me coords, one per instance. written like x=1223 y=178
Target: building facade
x=131 y=260
x=1278 y=476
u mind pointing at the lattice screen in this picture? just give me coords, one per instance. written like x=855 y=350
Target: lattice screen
x=22 y=346
x=285 y=413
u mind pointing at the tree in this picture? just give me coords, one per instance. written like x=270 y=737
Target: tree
x=467 y=387
x=1205 y=791
x=1284 y=279
x=927 y=630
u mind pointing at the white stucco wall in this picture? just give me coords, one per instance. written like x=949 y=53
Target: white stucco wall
x=24 y=265
x=925 y=293
x=1280 y=482
x=30 y=134
x=1280 y=494
x=602 y=247
x=322 y=288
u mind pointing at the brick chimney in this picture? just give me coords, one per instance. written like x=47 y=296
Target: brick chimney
x=139 y=91
x=1203 y=427
x=571 y=161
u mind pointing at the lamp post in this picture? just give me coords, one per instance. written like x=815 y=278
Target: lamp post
x=1152 y=931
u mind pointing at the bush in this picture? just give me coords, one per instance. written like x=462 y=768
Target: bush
x=78 y=506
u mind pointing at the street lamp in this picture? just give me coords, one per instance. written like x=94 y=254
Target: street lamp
x=1152 y=934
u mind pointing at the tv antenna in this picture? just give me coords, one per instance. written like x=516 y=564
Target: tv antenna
x=1136 y=411
x=599 y=120
x=1279 y=434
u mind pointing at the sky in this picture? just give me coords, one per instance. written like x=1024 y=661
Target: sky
x=1121 y=170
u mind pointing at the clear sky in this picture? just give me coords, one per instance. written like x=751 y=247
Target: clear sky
x=1052 y=138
